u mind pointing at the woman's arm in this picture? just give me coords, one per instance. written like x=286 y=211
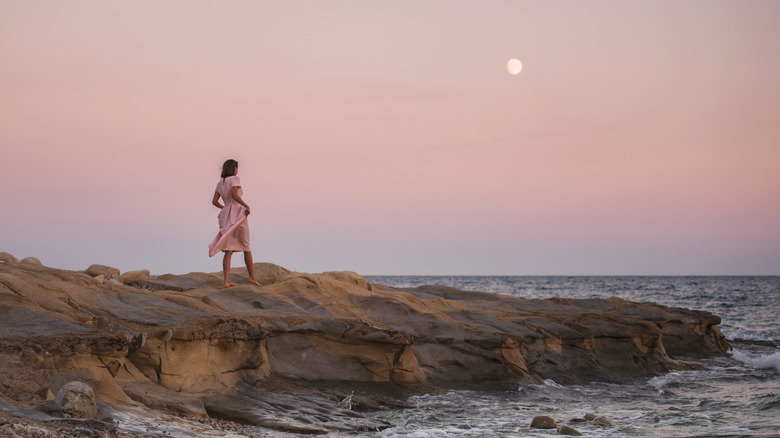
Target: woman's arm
x=234 y=193
x=215 y=200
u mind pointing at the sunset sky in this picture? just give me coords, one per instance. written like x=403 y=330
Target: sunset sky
x=387 y=137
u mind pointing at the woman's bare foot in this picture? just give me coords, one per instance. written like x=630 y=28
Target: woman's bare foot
x=229 y=284
x=254 y=281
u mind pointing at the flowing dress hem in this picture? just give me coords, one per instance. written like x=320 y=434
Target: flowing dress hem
x=222 y=241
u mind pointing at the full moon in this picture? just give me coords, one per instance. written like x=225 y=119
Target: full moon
x=514 y=66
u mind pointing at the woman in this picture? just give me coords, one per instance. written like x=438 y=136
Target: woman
x=233 y=227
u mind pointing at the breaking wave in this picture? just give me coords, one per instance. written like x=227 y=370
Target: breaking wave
x=758 y=361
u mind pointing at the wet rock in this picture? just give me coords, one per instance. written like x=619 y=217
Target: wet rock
x=240 y=411
x=131 y=276
x=590 y=417
x=77 y=399
x=568 y=430
x=107 y=271
x=156 y=397
x=603 y=421
x=18 y=412
x=543 y=422
x=113 y=281
x=346 y=402
x=50 y=407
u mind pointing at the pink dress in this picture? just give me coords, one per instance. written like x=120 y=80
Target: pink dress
x=233 y=227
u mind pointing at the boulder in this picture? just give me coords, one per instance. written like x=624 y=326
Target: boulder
x=131 y=276
x=8 y=258
x=107 y=271
x=543 y=422
x=604 y=421
x=32 y=261
x=568 y=430
x=77 y=399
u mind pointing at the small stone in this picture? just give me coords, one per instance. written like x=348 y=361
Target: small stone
x=543 y=422
x=87 y=432
x=578 y=420
x=590 y=417
x=568 y=430
x=674 y=408
x=131 y=276
x=107 y=271
x=113 y=281
x=603 y=421
x=32 y=261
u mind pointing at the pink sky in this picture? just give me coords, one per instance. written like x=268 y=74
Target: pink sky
x=388 y=138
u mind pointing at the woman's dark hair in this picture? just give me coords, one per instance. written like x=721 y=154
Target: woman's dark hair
x=229 y=168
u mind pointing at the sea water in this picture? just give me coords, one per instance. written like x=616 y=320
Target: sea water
x=737 y=396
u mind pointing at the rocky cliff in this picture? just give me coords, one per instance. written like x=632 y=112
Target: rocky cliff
x=326 y=344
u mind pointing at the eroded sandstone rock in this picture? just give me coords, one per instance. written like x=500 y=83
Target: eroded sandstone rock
x=192 y=359
x=131 y=276
x=150 y=340
x=8 y=258
x=106 y=271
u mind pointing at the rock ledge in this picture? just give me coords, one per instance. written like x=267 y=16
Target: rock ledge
x=185 y=345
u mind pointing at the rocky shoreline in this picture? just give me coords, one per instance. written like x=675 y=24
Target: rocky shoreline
x=305 y=353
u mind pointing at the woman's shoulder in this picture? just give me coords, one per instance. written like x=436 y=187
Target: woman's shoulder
x=231 y=181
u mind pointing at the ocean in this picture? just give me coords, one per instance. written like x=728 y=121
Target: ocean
x=737 y=396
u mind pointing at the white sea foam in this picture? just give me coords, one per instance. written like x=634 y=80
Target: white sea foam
x=660 y=383
x=420 y=433
x=759 y=362
x=744 y=334
x=552 y=383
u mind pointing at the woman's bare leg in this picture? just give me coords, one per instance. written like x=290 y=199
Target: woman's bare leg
x=250 y=267
x=226 y=268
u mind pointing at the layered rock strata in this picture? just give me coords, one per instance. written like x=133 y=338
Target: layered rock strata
x=184 y=344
